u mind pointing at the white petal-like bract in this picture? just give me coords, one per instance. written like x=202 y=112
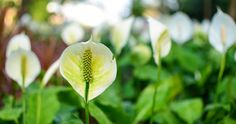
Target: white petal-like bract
x=23 y=67
x=88 y=66
x=49 y=73
x=72 y=33
x=120 y=33
x=84 y=13
x=19 y=41
x=222 y=32
x=181 y=28
x=160 y=39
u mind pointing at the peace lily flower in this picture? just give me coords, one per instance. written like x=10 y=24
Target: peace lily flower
x=181 y=27
x=23 y=67
x=49 y=73
x=222 y=32
x=120 y=33
x=72 y=33
x=89 y=67
x=19 y=41
x=160 y=39
x=86 y=14
x=161 y=45
x=202 y=27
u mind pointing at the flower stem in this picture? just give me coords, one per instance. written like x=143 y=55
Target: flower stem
x=155 y=89
x=24 y=106
x=222 y=67
x=86 y=103
x=86 y=113
x=38 y=107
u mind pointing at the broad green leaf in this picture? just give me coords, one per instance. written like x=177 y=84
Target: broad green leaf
x=146 y=72
x=111 y=96
x=98 y=114
x=10 y=114
x=42 y=105
x=166 y=91
x=189 y=110
x=166 y=117
x=228 y=120
x=186 y=56
x=116 y=114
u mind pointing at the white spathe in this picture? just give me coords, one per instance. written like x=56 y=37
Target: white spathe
x=49 y=73
x=23 y=67
x=120 y=33
x=222 y=32
x=86 y=14
x=181 y=28
x=19 y=41
x=160 y=39
x=88 y=62
x=72 y=33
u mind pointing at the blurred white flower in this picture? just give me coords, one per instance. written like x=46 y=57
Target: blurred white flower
x=23 y=67
x=72 y=33
x=140 y=29
x=160 y=39
x=151 y=3
x=172 y=4
x=89 y=67
x=84 y=13
x=181 y=27
x=19 y=41
x=25 y=19
x=49 y=73
x=120 y=33
x=120 y=8
x=53 y=7
x=222 y=32
x=205 y=25
x=202 y=27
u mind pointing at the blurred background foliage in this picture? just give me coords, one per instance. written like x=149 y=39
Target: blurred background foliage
x=188 y=92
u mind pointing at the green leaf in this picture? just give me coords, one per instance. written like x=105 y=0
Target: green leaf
x=166 y=117
x=10 y=114
x=189 y=110
x=186 y=56
x=116 y=114
x=110 y=96
x=166 y=91
x=42 y=105
x=146 y=72
x=228 y=120
x=98 y=114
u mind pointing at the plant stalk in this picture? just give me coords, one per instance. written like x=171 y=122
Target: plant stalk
x=155 y=88
x=38 y=107
x=24 y=106
x=86 y=103
x=222 y=67
x=86 y=113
